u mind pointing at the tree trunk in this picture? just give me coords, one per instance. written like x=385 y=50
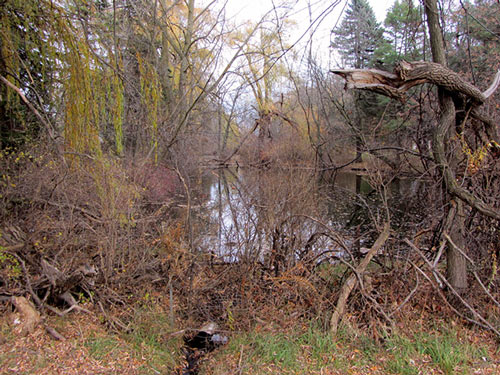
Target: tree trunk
x=456 y=271
x=456 y=265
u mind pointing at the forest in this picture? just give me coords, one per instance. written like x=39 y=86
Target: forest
x=186 y=190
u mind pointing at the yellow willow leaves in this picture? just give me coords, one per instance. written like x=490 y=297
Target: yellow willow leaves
x=117 y=195
x=82 y=102
x=115 y=92
x=94 y=98
x=9 y=52
x=151 y=94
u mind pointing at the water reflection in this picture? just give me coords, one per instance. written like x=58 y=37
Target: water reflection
x=280 y=217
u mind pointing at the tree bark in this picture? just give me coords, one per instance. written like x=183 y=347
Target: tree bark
x=456 y=265
x=450 y=86
x=408 y=74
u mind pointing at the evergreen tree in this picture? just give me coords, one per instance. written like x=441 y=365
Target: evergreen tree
x=358 y=36
x=357 y=40
x=405 y=31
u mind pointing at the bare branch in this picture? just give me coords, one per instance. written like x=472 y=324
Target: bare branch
x=351 y=281
x=49 y=128
x=455 y=293
x=493 y=87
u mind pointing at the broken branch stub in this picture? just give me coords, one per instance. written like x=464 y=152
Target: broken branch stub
x=29 y=317
x=408 y=74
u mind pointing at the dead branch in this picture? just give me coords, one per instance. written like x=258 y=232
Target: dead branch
x=28 y=280
x=13 y=247
x=54 y=334
x=443 y=297
x=73 y=305
x=47 y=125
x=493 y=87
x=476 y=276
x=352 y=280
x=474 y=313
x=409 y=74
x=409 y=296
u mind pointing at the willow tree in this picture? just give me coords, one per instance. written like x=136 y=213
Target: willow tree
x=28 y=54
x=46 y=56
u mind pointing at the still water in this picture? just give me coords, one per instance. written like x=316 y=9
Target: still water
x=282 y=216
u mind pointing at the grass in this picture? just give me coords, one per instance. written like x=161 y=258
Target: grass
x=102 y=347
x=148 y=348
x=311 y=351
x=302 y=348
x=445 y=349
x=305 y=351
x=151 y=339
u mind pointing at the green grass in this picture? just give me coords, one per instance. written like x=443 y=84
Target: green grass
x=403 y=361
x=311 y=349
x=303 y=351
x=102 y=347
x=445 y=349
x=151 y=338
x=148 y=339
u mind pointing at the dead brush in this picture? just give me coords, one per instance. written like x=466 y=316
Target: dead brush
x=75 y=227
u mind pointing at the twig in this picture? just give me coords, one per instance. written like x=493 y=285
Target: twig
x=52 y=332
x=351 y=280
x=13 y=247
x=473 y=271
x=450 y=287
x=240 y=369
x=436 y=261
x=445 y=300
x=28 y=282
x=408 y=297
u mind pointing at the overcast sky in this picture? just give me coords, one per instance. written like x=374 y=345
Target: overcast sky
x=240 y=11
x=252 y=9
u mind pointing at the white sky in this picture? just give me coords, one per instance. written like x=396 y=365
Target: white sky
x=242 y=10
x=253 y=9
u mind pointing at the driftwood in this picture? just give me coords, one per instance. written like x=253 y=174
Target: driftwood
x=353 y=278
x=409 y=74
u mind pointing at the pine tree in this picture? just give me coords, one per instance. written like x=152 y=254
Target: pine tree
x=405 y=31
x=358 y=36
x=357 y=41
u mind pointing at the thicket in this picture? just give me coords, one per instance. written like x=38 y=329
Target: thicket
x=110 y=112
